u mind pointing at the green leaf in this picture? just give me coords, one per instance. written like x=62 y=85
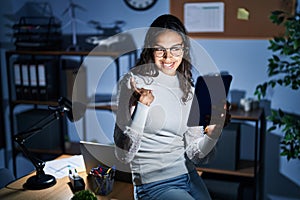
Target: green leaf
x=272 y=128
x=296 y=44
x=84 y=195
x=276 y=58
x=276 y=12
x=272 y=83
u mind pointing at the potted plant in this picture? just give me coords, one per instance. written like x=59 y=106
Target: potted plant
x=284 y=70
x=84 y=195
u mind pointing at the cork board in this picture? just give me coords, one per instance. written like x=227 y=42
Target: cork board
x=247 y=19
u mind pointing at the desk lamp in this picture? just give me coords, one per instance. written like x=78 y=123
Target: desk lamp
x=42 y=180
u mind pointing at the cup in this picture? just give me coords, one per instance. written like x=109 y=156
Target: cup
x=246 y=104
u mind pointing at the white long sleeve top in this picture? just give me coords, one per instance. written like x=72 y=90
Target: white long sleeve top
x=156 y=140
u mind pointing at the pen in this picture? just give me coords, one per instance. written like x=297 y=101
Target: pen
x=107 y=172
x=95 y=172
x=75 y=173
x=71 y=175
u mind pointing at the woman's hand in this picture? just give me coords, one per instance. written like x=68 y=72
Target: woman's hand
x=224 y=117
x=214 y=130
x=210 y=129
x=142 y=95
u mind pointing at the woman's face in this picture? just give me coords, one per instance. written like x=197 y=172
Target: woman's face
x=168 y=52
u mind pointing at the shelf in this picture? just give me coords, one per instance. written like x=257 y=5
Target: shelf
x=240 y=114
x=65 y=53
x=41 y=151
x=103 y=102
x=46 y=151
x=111 y=106
x=50 y=103
x=245 y=169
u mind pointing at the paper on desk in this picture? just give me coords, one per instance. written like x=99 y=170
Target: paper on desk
x=60 y=168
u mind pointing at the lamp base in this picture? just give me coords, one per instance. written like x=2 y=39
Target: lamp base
x=38 y=182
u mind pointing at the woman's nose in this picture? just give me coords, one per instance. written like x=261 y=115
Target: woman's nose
x=167 y=53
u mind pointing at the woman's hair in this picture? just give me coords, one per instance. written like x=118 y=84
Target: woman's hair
x=146 y=66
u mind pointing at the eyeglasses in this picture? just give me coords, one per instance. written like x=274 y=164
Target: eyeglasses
x=175 y=51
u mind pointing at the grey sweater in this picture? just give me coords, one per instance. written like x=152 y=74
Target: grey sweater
x=156 y=140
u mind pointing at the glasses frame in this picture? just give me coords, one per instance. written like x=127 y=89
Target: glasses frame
x=179 y=46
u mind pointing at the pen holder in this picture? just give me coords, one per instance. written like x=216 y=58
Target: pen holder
x=102 y=184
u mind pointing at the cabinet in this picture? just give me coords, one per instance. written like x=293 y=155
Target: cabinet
x=56 y=57
x=247 y=172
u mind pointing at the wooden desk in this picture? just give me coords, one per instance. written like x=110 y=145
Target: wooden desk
x=61 y=190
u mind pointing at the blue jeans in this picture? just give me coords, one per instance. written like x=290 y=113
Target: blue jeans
x=184 y=187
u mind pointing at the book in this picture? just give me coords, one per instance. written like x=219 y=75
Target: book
x=33 y=81
x=42 y=82
x=25 y=81
x=18 y=80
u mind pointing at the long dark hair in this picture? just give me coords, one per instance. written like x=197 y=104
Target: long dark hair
x=159 y=25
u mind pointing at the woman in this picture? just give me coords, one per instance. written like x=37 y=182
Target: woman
x=151 y=130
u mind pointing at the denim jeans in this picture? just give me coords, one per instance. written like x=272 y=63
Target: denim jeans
x=184 y=187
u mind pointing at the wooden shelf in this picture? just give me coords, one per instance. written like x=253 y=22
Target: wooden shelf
x=103 y=106
x=41 y=151
x=245 y=169
x=46 y=151
x=51 y=103
x=240 y=114
x=67 y=53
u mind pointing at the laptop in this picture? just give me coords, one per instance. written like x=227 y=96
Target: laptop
x=95 y=154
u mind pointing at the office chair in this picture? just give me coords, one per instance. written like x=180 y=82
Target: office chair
x=6 y=177
x=210 y=92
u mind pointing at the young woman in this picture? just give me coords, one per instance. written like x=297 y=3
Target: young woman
x=151 y=131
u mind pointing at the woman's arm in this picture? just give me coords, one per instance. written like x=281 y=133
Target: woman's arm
x=199 y=145
x=130 y=119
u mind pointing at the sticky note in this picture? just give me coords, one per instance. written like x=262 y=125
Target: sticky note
x=243 y=14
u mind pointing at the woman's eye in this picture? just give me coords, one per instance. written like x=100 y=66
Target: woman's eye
x=160 y=49
x=175 y=48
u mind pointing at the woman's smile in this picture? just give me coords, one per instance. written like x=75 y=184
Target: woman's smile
x=168 y=65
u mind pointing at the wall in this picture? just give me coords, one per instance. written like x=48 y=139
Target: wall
x=245 y=59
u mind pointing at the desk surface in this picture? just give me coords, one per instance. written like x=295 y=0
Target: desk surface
x=61 y=190
x=253 y=115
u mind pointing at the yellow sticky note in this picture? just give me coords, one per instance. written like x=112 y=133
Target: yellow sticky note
x=243 y=14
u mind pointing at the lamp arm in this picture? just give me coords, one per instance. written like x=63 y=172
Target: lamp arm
x=38 y=164
x=20 y=138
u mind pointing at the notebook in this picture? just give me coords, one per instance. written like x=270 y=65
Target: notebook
x=95 y=154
